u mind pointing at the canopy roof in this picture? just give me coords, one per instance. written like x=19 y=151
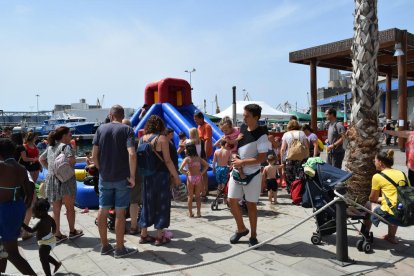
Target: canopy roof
x=267 y=111
x=337 y=55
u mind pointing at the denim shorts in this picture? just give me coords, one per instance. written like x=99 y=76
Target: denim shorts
x=114 y=194
x=391 y=219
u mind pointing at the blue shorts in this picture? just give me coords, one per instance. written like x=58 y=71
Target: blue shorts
x=391 y=219
x=11 y=218
x=114 y=194
x=222 y=174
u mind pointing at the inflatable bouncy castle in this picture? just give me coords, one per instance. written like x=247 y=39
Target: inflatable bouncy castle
x=170 y=99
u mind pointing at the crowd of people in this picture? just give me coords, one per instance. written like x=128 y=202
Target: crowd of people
x=248 y=161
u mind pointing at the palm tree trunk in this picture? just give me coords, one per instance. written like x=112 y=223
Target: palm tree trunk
x=363 y=136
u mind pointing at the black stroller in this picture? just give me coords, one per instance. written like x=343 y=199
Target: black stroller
x=319 y=190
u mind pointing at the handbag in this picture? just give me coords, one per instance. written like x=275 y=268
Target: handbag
x=179 y=192
x=243 y=181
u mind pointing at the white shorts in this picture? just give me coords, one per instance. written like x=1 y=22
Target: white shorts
x=251 y=190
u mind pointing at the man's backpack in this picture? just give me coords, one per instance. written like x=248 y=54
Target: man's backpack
x=297 y=150
x=404 y=208
x=61 y=167
x=146 y=156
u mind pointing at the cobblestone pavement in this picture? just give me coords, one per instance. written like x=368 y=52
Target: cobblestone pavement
x=197 y=240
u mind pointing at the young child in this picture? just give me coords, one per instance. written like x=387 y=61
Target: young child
x=277 y=145
x=89 y=161
x=181 y=144
x=222 y=157
x=231 y=134
x=45 y=230
x=194 y=177
x=269 y=176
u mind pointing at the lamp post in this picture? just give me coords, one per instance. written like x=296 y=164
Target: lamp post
x=37 y=106
x=37 y=103
x=190 y=72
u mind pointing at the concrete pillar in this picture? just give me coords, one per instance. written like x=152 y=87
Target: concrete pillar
x=313 y=90
x=402 y=89
x=388 y=110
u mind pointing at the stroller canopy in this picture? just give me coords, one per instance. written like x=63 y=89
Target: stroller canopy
x=329 y=176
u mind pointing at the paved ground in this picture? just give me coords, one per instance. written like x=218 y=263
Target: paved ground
x=197 y=240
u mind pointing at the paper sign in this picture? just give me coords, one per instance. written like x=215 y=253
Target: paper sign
x=401 y=123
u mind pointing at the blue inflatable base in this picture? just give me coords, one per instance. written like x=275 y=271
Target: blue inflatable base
x=86 y=196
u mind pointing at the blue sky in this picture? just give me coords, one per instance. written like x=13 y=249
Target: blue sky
x=67 y=50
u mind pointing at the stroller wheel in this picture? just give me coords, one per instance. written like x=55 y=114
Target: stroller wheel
x=213 y=205
x=316 y=239
x=359 y=245
x=366 y=246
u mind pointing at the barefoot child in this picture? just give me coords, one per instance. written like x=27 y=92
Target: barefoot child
x=45 y=230
x=269 y=176
x=222 y=157
x=194 y=176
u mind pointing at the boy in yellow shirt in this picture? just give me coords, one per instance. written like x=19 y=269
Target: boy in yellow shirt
x=382 y=192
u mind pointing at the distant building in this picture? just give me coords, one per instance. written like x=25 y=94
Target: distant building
x=92 y=113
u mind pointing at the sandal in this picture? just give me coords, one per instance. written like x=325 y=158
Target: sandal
x=147 y=239
x=161 y=241
x=133 y=231
x=75 y=234
x=61 y=238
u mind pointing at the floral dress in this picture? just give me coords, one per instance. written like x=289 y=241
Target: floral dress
x=55 y=190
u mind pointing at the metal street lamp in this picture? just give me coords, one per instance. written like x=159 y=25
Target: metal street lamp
x=37 y=102
x=190 y=72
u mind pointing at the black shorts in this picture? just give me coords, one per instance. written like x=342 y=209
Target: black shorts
x=271 y=184
x=31 y=167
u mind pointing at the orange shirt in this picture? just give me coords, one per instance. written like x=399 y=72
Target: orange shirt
x=205 y=132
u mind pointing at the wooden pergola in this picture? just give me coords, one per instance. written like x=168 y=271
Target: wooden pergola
x=337 y=55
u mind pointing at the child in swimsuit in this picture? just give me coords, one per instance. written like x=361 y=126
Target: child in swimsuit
x=222 y=157
x=196 y=168
x=269 y=177
x=45 y=229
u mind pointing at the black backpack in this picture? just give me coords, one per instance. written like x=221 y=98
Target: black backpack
x=146 y=156
x=404 y=209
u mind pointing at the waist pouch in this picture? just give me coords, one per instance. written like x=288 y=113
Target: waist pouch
x=236 y=176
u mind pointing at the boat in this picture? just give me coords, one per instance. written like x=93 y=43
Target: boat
x=77 y=125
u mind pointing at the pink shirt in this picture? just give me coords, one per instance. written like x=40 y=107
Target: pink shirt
x=233 y=136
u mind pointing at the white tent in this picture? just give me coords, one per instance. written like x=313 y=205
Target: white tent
x=267 y=111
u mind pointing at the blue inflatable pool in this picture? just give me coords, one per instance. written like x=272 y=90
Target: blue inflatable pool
x=86 y=196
